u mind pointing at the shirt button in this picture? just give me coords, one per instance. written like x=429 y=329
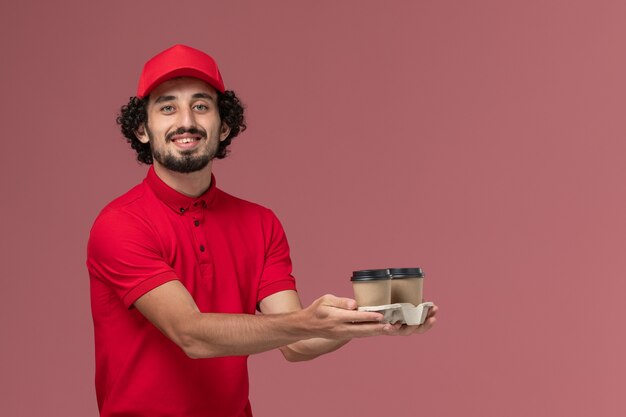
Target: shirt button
x=182 y=209
x=201 y=248
x=196 y=223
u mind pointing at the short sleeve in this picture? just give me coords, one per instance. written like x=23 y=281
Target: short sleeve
x=277 y=268
x=123 y=252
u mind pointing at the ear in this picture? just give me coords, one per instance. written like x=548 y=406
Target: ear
x=224 y=131
x=141 y=134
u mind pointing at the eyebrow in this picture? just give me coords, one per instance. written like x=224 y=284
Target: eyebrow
x=161 y=99
x=203 y=95
x=206 y=96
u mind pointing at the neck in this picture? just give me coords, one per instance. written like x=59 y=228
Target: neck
x=192 y=184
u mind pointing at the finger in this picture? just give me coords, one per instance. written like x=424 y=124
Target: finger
x=339 y=302
x=363 y=329
x=392 y=327
x=427 y=325
x=406 y=329
x=432 y=311
x=353 y=316
x=399 y=329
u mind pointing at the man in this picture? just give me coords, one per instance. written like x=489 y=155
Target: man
x=178 y=267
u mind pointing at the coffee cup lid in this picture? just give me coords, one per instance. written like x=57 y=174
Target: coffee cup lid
x=406 y=272
x=370 y=275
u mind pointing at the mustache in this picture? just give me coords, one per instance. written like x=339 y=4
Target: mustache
x=190 y=130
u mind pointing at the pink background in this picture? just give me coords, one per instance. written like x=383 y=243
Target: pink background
x=481 y=140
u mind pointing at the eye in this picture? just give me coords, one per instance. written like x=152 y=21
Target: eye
x=167 y=109
x=201 y=107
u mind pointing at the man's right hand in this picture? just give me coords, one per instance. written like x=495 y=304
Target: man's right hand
x=337 y=318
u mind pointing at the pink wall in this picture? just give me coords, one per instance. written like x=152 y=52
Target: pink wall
x=481 y=140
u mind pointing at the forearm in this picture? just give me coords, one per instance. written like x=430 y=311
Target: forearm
x=304 y=350
x=213 y=335
x=171 y=308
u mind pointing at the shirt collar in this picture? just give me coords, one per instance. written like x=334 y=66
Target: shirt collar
x=179 y=202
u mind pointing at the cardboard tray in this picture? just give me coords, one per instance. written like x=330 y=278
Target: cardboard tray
x=405 y=313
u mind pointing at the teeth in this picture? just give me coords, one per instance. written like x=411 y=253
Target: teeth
x=185 y=140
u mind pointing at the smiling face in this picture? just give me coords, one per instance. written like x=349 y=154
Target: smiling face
x=184 y=126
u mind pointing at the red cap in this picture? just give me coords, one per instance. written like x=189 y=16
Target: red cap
x=179 y=61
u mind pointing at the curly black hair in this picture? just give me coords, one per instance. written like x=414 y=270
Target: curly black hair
x=134 y=114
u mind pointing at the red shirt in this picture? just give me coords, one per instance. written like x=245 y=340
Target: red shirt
x=229 y=254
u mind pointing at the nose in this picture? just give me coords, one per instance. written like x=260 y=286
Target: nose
x=186 y=118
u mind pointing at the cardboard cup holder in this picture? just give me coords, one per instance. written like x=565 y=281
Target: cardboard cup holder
x=405 y=313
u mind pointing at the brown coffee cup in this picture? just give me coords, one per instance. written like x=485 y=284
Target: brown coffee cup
x=372 y=287
x=407 y=285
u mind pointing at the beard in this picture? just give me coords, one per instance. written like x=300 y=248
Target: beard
x=187 y=161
